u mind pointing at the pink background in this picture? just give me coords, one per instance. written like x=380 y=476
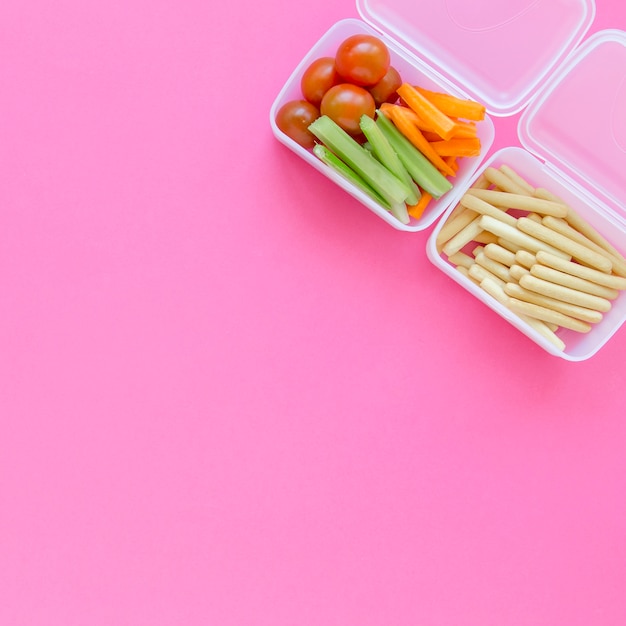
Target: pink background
x=232 y=396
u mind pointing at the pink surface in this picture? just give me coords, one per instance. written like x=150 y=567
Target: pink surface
x=232 y=396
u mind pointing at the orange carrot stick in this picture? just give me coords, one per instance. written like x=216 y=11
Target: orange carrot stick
x=427 y=111
x=429 y=134
x=417 y=210
x=404 y=123
x=465 y=129
x=453 y=106
x=452 y=162
x=457 y=147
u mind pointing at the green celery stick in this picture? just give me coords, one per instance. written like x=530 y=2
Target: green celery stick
x=423 y=172
x=330 y=159
x=385 y=153
x=360 y=160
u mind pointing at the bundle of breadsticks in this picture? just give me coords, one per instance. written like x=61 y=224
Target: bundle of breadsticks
x=533 y=253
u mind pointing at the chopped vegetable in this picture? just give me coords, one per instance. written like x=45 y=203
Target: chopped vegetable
x=454 y=107
x=417 y=210
x=423 y=172
x=385 y=153
x=457 y=147
x=330 y=159
x=452 y=162
x=427 y=111
x=464 y=129
x=397 y=142
x=359 y=159
x=403 y=120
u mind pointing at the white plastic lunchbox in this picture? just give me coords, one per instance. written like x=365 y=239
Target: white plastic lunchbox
x=523 y=55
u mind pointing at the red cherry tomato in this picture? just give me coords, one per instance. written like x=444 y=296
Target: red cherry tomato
x=345 y=104
x=294 y=118
x=318 y=78
x=385 y=89
x=362 y=59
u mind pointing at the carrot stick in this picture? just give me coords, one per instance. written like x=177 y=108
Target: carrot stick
x=417 y=210
x=403 y=120
x=407 y=112
x=429 y=135
x=453 y=106
x=427 y=111
x=464 y=129
x=457 y=147
x=452 y=162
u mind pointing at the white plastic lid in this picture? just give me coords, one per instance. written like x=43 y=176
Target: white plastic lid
x=578 y=122
x=498 y=52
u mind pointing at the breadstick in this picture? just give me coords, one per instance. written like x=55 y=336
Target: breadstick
x=479 y=273
x=562 y=226
x=545 y=330
x=514 y=290
x=535 y=217
x=485 y=208
x=565 y=244
x=582 y=271
x=517 y=271
x=449 y=229
x=509 y=245
x=463 y=237
x=522 y=202
x=495 y=290
x=525 y=259
x=454 y=225
x=573 y=282
x=566 y=294
x=590 y=232
x=502 y=181
x=515 y=235
x=498 y=293
x=516 y=178
x=498 y=253
x=586 y=229
x=460 y=258
x=544 y=194
x=500 y=270
x=463 y=270
x=486 y=238
x=547 y=315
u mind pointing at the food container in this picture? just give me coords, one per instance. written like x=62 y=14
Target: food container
x=412 y=70
x=523 y=55
x=574 y=135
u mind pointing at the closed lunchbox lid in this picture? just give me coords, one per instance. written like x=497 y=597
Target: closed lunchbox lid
x=499 y=53
x=577 y=122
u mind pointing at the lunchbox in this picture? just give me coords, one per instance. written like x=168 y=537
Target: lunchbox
x=521 y=56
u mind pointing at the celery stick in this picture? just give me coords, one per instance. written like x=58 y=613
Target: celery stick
x=400 y=211
x=359 y=159
x=423 y=172
x=330 y=159
x=385 y=153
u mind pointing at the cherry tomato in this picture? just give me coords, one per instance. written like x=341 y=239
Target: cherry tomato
x=318 y=78
x=385 y=89
x=362 y=59
x=345 y=104
x=294 y=118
